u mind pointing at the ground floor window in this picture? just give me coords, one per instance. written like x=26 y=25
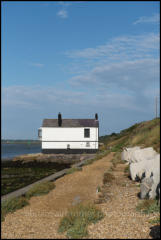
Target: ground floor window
x=87 y=144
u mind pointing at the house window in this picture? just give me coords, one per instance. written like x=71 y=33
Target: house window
x=87 y=133
x=87 y=144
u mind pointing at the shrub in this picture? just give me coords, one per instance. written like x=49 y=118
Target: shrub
x=108 y=177
x=78 y=218
x=148 y=206
x=40 y=189
x=12 y=205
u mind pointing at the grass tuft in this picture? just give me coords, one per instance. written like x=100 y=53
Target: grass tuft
x=11 y=205
x=78 y=218
x=148 y=206
x=40 y=189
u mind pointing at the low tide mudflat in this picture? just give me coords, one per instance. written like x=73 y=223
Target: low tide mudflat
x=15 y=175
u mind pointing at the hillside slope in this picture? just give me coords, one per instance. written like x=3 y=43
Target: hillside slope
x=144 y=134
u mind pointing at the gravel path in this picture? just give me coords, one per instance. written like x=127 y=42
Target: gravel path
x=41 y=218
x=121 y=218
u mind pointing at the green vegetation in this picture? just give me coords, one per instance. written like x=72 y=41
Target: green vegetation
x=40 y=189
x=99 y=155
x=155 y=220
x=74 y=169
x=145 y=134
x=148 y=206
x=15 y=175
x=12 y=205
x=78 y=218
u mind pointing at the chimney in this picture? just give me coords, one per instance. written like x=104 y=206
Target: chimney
x=96 y=116
x=59 y=120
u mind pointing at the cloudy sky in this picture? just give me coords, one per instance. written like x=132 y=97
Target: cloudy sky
x=78 y=58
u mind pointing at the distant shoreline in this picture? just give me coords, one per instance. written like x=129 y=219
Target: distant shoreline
x=6 y=159
x=20 y=142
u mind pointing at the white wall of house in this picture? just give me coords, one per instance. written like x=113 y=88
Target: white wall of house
x=59 y=138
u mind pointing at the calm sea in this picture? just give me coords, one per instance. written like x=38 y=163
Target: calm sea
x=11 y=150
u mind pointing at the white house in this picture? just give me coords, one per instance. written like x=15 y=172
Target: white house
x=69 y=135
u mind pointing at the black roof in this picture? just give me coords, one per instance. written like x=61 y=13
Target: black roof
x=71 y=123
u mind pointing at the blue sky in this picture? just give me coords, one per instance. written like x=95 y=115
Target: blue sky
x=78 y=58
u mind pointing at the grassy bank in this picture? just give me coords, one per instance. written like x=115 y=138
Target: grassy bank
x=144 y=134
x=15 y=175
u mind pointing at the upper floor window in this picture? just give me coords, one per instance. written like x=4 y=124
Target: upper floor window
x=86 y=132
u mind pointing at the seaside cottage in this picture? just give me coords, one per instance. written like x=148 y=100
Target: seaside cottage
x=69 y=135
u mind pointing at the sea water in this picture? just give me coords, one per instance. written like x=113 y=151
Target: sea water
x=11 y=150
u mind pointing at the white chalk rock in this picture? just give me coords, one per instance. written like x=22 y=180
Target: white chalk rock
x=127 y=152
x=142 y=154
x=145 y=168
x=156 y=183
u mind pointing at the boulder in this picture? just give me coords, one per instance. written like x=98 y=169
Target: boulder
x=150 y=187
x=145 y=187
x=127 y=152
x=136 y=154
x=145 y=168
x=142 y=154
x=155 y=188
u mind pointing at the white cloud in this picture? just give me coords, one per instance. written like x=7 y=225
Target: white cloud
x=124 y=47
x=152 y=19
x=63 y=13
x=38 y=96
x=120 y=72
x=37 y=64
x=126 y=62
x=130 y=75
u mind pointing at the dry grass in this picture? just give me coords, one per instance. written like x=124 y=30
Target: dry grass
x=108 y=177
x=146 y=134
x=117 y=159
